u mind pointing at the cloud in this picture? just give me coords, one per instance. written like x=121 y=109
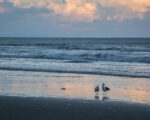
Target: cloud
x=89 y=10
x=69 y=10
x=73 y=10
x=126 y=9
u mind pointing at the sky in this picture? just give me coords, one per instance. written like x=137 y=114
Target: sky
x=74 y=18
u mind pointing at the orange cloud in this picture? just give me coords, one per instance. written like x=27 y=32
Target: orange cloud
x=127 y=9
x=76 y=10
x=89 y=10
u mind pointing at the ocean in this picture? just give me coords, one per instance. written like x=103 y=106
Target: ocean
x=106 y=56
x=116 y=57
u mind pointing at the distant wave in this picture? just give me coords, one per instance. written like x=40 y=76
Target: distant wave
x=120 y=57
x=85 y=57
x=71 y=71
x=83 y=46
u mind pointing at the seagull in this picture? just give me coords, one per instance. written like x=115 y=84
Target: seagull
x=96 y=92
x=97 y=88
x=104 y=88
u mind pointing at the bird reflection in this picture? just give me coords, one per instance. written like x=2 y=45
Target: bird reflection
x=97 y=96
x=105 y=98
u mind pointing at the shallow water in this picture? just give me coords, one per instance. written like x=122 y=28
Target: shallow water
x=78 y=86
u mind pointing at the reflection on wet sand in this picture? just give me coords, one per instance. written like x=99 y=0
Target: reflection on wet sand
x=75 y=86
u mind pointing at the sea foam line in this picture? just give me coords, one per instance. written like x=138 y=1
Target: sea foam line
x=75 y=72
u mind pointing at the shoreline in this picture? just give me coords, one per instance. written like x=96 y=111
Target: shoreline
x=71 y=72
x=30 y=108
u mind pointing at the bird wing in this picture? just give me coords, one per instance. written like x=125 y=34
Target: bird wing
x=107 y=88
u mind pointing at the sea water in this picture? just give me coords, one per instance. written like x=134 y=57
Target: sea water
x=110 y=56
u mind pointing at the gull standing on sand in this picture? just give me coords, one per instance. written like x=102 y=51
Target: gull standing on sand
x=97 y=88
x=96 y=92
x=104 y=88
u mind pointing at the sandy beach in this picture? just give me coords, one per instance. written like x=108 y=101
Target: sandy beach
x=19 y=108
x=39 y=96
x=77 y=86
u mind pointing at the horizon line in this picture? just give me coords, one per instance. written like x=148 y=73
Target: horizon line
x=66 y=37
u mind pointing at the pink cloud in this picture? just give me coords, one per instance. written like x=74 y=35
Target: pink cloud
x=89 y=10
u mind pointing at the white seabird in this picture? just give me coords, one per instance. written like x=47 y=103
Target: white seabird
x=96 y=92
x=97 y=88
x=104 y=88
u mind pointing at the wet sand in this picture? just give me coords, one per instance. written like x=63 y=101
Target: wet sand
x=77 y=86
x=19 y=108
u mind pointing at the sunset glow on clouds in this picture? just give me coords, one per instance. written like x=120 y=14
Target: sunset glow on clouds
x=88 y=10
x=75 y=18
